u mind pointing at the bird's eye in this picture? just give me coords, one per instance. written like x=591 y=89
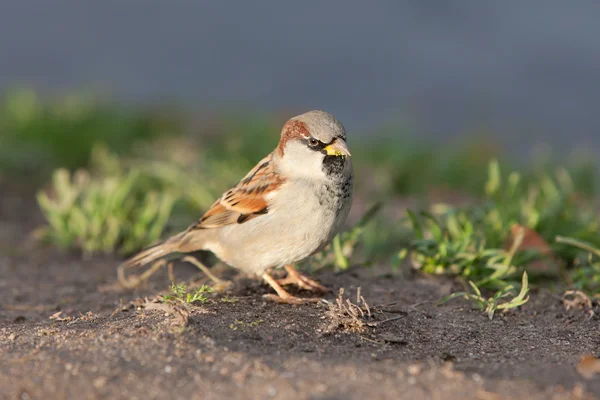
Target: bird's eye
x=313 y=142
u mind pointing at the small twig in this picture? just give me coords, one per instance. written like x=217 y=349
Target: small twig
x=356 y=309
x=420 y=303
x=372 y=324
x=384 y=307
x=394 y=311
x=393 y=303
x=366 y=306
x=119 y=308
x=580 y=300
x=370 y=340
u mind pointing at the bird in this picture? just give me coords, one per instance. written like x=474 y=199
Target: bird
x=287 y=208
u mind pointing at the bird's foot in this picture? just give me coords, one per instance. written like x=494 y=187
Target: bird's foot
x=284 y=297
x=303 y=282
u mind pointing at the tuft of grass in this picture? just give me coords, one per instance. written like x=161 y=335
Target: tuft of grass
x=124 y=204
x=179 y=292
x=348 y=316
x=548 y=204
x=475 y=242
x=102 y=214
x=453 y=246
x=507 y=234
x=585 y=274
x=494 y=303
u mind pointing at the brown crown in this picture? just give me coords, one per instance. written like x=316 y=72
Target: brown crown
x=293 y=129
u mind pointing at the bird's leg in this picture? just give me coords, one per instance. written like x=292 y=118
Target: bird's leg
x=296 y=278
x=283 y=296
x=134 y=281
x=220 y=284
x=170 y=272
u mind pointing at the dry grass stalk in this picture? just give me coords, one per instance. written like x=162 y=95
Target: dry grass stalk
x=179 y=312
x=348 y=316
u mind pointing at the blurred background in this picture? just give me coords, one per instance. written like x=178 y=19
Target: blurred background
x=523 y=73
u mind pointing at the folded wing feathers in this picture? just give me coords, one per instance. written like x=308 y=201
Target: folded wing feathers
x=246 y=200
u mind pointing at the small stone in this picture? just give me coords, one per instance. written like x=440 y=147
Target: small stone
x=321 y=388
x=414 y=369
x=100 y=382
x=578 y=391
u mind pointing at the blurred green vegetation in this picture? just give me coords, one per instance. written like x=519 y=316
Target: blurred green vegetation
x=132 y=176
x=496 y=302
x=511 y=230
x=404 y=165
x=103 y=213
x=585 y=274
x=37 y=136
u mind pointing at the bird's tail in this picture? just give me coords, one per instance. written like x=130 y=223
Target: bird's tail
x=175 y=244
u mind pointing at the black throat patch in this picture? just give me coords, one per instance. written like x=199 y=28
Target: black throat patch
x=334 y=165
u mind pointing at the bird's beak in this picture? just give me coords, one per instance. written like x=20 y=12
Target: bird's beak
x=338 y=148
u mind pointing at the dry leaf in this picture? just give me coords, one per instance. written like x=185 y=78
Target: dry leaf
x=588 y=366
x=533 y=241
x=576 y=299
x=56 y=316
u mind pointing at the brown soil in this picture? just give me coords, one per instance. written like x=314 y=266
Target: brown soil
x=106 y=347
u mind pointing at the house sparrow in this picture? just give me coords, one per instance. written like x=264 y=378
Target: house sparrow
x=288 y=207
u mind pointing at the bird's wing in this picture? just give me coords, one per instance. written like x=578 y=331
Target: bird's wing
x=246 y=200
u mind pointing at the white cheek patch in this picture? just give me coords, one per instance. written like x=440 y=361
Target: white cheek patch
x=300 y=161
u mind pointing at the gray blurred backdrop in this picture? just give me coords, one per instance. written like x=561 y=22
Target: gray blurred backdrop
x=525 y=71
